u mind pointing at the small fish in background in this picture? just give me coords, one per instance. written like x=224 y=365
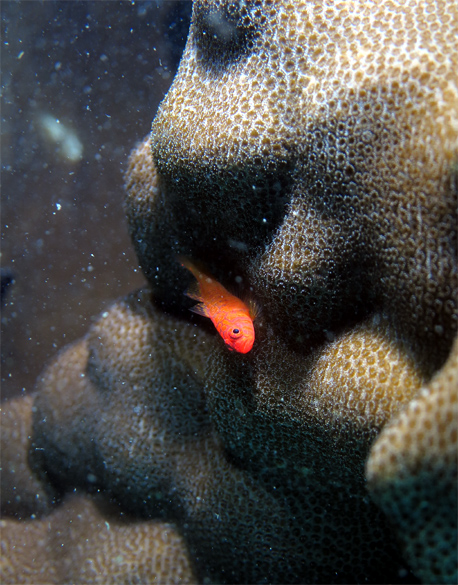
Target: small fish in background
x=69 y=146
x=232 y=318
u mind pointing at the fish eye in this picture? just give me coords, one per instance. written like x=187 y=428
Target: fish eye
x=235 y=333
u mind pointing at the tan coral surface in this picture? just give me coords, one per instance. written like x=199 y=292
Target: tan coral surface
x=307 y=154
x=412 y=473
x=83 y=543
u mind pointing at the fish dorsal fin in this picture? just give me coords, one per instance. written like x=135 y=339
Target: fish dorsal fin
x=200 y=309
x=253 y=308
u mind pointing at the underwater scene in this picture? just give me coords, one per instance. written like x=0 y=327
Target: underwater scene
x=229 y=292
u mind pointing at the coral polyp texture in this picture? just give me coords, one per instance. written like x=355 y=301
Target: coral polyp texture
x=84 y=541
x=307 y=156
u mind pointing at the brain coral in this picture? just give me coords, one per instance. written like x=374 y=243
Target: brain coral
x=412 y=474
x=307 y=153
x=84 y=541
x=340 y=121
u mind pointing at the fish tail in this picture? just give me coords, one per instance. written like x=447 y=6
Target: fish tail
x=194 y=292
x=186 y=263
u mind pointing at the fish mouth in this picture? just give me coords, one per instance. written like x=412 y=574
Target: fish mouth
x=241 y=347
x=245 y=347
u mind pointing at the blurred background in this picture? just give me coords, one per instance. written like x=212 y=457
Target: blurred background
x=81 y=82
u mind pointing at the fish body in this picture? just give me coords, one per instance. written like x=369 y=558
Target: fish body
x=232 y=318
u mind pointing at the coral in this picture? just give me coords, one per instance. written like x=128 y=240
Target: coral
x=307 y=154
x=76 y=445
x=23 y=494
x=336 y=131
x=412 y=474
x=83 y=542
x=99 y=424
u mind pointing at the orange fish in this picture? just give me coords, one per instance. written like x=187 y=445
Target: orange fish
x=232 y=318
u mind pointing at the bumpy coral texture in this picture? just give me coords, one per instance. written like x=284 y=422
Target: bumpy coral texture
x=81 y=542
x=98 y=421
x=270 y=476
x=412 y=474
x=307 y=155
